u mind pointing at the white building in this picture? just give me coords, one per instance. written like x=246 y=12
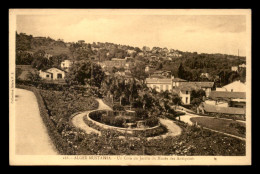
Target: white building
x=234 y=68
x=66 y=64
x=242 y=66
x=236 y=86
x=159 y=84
x=52 y=74
x=204 y=75
x=147 y=69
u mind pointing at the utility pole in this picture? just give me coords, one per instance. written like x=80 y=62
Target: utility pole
x=91 y=73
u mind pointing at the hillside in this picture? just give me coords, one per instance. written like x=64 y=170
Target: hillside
x=34 y=50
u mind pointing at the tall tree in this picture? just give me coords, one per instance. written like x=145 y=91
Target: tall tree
x=181 y=71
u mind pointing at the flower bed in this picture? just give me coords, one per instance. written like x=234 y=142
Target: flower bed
x=136 y=132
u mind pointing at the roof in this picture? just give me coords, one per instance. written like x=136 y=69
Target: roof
x=45 y=69
x=113 y=59
x=197 y=85
x=227 y=95
x=179 y=80
x=187 y=87
x=224 y=110
x=157 y=80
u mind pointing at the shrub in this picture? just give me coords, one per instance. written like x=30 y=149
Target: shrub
x=152 y=121
x=141 y=113
x=119 y=121
x=118 y=107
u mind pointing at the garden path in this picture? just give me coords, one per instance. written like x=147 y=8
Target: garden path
x=31 y=136
x=173 y=129
x=78 y=121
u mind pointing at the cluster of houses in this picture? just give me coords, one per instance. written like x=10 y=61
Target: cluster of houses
x=163 y=80
x=56 y=73
x=230 y=99
x=237 y=68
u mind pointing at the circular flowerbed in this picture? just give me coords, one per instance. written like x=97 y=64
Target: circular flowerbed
x=124 y=122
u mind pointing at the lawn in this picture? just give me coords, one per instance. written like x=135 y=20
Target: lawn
x=227 y=126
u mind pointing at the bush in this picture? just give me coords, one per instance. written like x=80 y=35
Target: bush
x=152 y=121
x=119 y=121
x=141 y=113
x=118 y=107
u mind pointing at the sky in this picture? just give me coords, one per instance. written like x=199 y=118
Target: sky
x=194 y=33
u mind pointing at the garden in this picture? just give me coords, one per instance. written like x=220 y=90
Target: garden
x=71 y=141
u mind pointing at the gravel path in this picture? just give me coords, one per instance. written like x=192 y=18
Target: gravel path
x=174 y=130
x=31 y=137
x=78 y=121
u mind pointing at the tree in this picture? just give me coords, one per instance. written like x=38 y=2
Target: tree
x=197 y=97
x=181 y=71
x=85 y=72
x=33 y=76
x=138 y=71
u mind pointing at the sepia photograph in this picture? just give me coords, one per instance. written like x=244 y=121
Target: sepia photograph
x=129 y=87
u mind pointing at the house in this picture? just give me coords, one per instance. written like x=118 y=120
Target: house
x=131 y=52
x=47 y=55
x=140 y=54
x=159 y=84
x=52 y=74
x=145 y=49
x=114 y=62
x=228 y=99
x=206 y=86
x=161 y=74
x=234 y=68
x=176 y=82
x=147 y=69
x=205 y=75
x=242 y=66
x=81 y=42
x=236 y=86
x=223 y=110
x=66 y=64
x=184 y=91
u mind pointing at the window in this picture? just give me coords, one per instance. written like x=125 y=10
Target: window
x=186 y=99
x=47 y=75
x=187 y=92
x=59 y=76
x=161 y=87
x=231 y=90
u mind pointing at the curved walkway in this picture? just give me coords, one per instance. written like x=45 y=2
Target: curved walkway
x=31 y=137
x=77 y=121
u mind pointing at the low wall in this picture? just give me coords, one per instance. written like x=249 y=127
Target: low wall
x=152 y=131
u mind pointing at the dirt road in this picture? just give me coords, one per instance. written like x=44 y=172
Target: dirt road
x=31 y=137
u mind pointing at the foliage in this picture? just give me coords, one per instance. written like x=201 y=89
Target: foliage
x=197 y=96
x=118 y=107
x=85 y=72
x=152 y=121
